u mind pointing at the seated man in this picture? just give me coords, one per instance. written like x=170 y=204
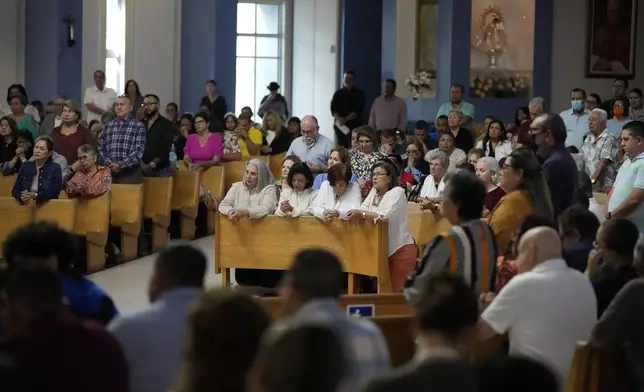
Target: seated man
x=577 y=228
x=311 y=290
x=546 y=309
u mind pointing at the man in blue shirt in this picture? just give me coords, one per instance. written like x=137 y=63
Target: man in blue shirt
x=152 y=339
x=312 y=148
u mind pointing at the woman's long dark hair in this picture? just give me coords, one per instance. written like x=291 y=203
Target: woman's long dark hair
x=502 y=135
x=138 y=90
x=534 y=183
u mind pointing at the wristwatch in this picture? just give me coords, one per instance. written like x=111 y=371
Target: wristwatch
x=609 y=215
x=153 y=165
x=593 y=181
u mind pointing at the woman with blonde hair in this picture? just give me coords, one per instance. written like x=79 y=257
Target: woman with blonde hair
x=224 y=333
x=275 y=136
x=527 y=193
x=488 y=171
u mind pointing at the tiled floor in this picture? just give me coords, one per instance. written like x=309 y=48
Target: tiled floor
x=127 y=284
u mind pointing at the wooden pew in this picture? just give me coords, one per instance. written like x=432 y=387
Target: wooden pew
x=272 y=242
x=126 y=210
x=424 y=225
x=157 y=203
x=275 y=164
x=6 y=185
x=213 y=179
x=62 y=212
x=235 y=170
x=93 y=223
x=185 y=199
x=393 y=304
x=13 y=216
x=399 y=333
x=584 y=371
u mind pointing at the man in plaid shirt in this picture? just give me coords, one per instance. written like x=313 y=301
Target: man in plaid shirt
x=121 y=144
x=311 y=292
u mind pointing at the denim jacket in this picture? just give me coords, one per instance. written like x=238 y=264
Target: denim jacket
x=50 y=181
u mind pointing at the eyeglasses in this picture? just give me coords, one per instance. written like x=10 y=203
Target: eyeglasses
x=591 y=102
x=412 y=151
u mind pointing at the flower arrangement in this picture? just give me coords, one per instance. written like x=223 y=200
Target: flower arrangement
x=500 y=86
x=420 y=82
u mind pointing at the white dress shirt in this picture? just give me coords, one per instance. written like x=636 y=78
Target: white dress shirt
x=429 y=188
x=393 y=207
x=327 y=200
x=576 y=127
x=501 y=151
x=302 y=202
x=103 y=99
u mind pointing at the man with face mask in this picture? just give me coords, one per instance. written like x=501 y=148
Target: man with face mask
x=546 y=309
x=619 y=92
x=312 y=148
x=160 y=132
x=559 y=168
x=576 y=118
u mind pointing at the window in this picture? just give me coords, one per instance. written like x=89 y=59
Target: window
x=261 y=49
x=115 y=45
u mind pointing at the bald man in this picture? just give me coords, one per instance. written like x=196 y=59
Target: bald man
x=546 y=309
x=312 y=148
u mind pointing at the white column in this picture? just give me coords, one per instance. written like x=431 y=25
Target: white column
x=12 y=43
x=405 y=44
x=93 y=42
x=153 y=47
x=316 y=27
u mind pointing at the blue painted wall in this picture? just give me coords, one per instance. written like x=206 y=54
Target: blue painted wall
x=361 y=45
x=454 y=58
x=51 y=67
x=208 y=49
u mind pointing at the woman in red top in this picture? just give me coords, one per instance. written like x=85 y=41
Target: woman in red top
x=70 y=134
x=487 y=169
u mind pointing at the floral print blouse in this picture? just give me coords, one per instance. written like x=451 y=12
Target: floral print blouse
x=83 y=185
x=231 y=142
x=361 y=166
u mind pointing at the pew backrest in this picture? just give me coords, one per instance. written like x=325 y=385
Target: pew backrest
x=157 y=196
x=92 y=215
x=13 y=216
x=126 y=204
x=235 y=170
x=6 y=185
x=185 y=192
x=214 y=179
x=62 y=212
x=275 y=164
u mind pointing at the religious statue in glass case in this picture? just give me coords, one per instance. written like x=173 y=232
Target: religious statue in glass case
x=492 y=40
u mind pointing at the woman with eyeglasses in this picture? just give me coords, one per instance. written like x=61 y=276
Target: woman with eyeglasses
x=620 y=117
x=429 y=190
x=526 y=193
x=387 y=200
x=593 y=101
x=415 y=167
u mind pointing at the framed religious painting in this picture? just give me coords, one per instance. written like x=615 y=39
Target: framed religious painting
x=426 y=36
x=610 y=48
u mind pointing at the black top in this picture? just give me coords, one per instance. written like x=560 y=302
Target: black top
x=158 y=142
x=464 y=140
x=608 y=284
x=280 y=144
x=576 y=254
x=218 y=108
x=345 y=102
x=179 y=145
x=438 y=375
x=560 y=171
x=8 y=150
x=608 y=107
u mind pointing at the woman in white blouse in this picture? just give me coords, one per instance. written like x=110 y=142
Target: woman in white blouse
x=386 y=200
x=253 y=198
x=446 y=144
x=430 y=188
x=495 y=142
x=338 y=194
x=297 y=199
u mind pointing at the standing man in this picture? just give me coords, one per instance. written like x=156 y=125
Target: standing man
x=121 y=144
x=576 y=119
x=600 y=151
x=98 y=98
x=54 y=116
x=619 y=92
x=347 y=107
x=388 y=111
x=275 y=102
x=457 y=103
x=548 y=132
x=636 y=111
x=160 y=132
x=628 y=191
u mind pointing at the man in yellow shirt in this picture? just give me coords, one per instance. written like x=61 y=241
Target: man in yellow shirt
x=250 y=138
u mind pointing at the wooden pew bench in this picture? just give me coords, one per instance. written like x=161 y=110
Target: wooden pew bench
x=157 y=205
x=62 y=212
x=13 y=216
x=126 y=213
x=6 y=185
x=272 y=243
x=93 y=223
x=214 y=180
x=275 y=164
x=185 y=200
x=424 y=225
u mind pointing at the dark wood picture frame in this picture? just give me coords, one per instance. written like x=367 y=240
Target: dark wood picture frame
x=424 y=38
x=610 y=47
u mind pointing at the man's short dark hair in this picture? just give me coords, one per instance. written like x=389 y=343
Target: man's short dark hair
x=156 y=98
x=579 y=90
x=624 y=80
x=244 y=116
x=636 y=128
x=442 y=117
x=421 y=124
x=447 y=305
x=555 y=124
x=316 y=274
x=579 y=218
x=392 y=81
x=459 y=86
x=33 y=285
x=42 y=241
x=182 y=265
x=350 y=72
x=467 y=192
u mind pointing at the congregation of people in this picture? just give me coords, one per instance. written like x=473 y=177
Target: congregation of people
x=544 y=248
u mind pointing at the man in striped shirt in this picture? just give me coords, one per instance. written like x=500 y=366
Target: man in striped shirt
x=121 y=144
x=467 y=248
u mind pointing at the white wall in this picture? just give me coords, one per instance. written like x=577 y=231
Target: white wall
x=316 y=28
x=93 y=41
x=569 y=54
x=153 y=47
x=12 y=43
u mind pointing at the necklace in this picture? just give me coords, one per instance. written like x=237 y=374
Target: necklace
x=376 y=200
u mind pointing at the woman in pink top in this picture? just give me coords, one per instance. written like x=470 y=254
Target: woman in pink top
x=203 y=150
